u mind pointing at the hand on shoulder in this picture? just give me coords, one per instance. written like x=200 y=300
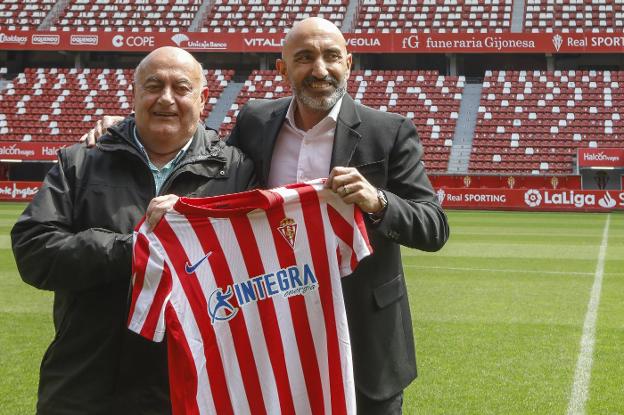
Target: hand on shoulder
x=100 y=128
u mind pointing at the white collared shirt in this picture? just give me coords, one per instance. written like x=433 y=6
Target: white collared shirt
x=303 y=155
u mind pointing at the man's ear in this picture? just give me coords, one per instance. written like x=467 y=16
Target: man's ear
x=349 y=63
x=133 y=96
x=280 y=65
x=204 y=95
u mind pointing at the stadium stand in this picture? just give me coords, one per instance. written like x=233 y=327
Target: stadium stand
x=528 y=122
x=574 y=16
x=533 y=121
x=24 y=14
x=442 y=16
x=431 y=100
x=269 y=15
x=413 y=16
x=60 y=104
x=261 y=84
x=143 y=16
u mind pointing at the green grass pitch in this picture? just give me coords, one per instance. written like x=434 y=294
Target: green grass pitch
x=498 y=316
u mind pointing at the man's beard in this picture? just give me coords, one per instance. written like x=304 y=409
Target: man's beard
x=321 y=103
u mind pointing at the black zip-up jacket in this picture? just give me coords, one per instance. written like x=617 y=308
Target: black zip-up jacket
x=75 y=238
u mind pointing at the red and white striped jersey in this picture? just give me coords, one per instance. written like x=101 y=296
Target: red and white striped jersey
x=247 y=288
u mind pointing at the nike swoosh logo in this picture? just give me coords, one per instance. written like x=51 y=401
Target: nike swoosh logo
x=191 y=268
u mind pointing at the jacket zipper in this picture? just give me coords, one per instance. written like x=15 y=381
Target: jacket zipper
x=177 y=170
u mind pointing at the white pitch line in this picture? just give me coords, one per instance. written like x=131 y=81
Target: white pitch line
x=522 y=271
x=582 y=374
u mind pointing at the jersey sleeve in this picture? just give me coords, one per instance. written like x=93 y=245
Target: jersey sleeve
x=151 y=287
x=347 y=222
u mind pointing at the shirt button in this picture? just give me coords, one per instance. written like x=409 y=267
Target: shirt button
x=222 y=173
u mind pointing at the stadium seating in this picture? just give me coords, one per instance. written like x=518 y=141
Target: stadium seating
x=60 y=104
x=534 y=121
x=529 y=122
x=261 y=84
x=574 y=16
x=23 y=14
x=269 y=15
x=273 y=16
x=431 y=100
x=130 y=16
x=443 y=16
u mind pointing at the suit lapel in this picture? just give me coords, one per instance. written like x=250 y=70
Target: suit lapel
x=269 y=135
x=346 y=137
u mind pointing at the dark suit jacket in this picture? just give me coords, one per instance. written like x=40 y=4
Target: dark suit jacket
x=386 y=150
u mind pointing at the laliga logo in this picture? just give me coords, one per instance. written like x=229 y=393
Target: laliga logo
x=179 y=38
x=557 y=40
x=410 y=42
x=441 y=195
x=607 y=201
x=532 y=198
x=219 y=306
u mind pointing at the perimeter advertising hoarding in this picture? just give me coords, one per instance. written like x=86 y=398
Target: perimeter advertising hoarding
x=453 y=198
x=30 y=151
x=18 y=191
x=502 y=181
x=601 y=157
x=531 y=199
x=357 y=42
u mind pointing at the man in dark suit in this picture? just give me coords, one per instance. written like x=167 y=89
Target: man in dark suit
x=372 y=159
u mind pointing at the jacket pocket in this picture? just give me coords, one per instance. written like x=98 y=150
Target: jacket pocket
x=371 y=166
x=62 y=315
x=374 y=172
x=389 y=292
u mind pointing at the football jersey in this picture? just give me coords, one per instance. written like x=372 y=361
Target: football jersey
x=247 y=289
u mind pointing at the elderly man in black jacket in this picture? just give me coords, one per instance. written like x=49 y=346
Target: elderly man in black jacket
x=75 y=238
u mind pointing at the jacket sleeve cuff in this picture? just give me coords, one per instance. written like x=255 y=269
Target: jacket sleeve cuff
x=383 y=225
x=123 y=255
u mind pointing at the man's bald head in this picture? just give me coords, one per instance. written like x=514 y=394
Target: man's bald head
x=310 y=27
x=171 y=55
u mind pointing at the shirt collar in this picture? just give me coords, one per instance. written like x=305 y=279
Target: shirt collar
x=173 y=162
x=333 y=114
